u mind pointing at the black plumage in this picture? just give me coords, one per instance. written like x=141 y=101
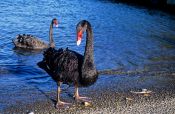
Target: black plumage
x=65 y=66
x=69 y=67
x=26 y=41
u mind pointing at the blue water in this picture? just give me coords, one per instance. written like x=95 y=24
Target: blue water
x=124 y=36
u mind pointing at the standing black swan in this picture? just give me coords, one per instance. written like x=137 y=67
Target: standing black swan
x=70 y=67
x=31 y=42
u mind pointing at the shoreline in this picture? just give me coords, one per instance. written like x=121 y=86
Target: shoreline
x=110 y=103
x=109 y=95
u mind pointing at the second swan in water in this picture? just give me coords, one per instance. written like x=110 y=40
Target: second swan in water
x=33 y=43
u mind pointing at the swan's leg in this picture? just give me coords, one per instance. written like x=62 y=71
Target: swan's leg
x=77 y=96
x=60 y=104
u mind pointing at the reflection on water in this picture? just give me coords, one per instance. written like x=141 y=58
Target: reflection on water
x=124 y=36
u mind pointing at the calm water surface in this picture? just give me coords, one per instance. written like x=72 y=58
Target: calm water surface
x=124 y=36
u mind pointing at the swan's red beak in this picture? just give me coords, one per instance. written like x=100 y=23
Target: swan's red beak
x=79 y=37
x=55 y=22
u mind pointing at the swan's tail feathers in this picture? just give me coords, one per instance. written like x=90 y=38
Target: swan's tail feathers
x=120 y=72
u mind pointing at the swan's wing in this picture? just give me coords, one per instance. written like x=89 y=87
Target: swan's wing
x=68 y=61
x=69 y=66
x=29 y=41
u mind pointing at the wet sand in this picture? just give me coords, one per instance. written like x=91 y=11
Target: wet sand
x=109 y=96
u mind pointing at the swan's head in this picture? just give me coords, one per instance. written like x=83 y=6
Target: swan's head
x=81 y=27
x=55 y=22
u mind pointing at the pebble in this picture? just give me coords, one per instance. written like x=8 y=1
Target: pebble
x=87 y=104
x=31 y=113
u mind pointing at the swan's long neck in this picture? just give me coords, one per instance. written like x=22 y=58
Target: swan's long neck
x=51 y=41
x=89 y=49
x=88 y=67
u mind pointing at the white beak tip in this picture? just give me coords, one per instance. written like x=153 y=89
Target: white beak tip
x=56 y=25
x=78 y=42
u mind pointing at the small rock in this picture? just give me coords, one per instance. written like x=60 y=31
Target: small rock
x=146 y=94
x=31 y=113
x=129 y=99
x=87 y=104
x=144 y=91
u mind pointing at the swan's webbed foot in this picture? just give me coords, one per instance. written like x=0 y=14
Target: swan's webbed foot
x=62 y=105
x=82 y=99
x=78 y=98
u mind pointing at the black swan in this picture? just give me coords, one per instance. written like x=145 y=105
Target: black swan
x=69 y=67
x=30 y=42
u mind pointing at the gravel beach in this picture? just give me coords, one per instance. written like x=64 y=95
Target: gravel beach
x=136 y=41
x=113 y=96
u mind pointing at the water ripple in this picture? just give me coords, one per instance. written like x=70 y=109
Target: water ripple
x=124 y=36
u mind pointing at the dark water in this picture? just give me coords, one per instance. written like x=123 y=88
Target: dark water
x=124 y=36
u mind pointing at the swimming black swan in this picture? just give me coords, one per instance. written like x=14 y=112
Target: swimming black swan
x=33 y=43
